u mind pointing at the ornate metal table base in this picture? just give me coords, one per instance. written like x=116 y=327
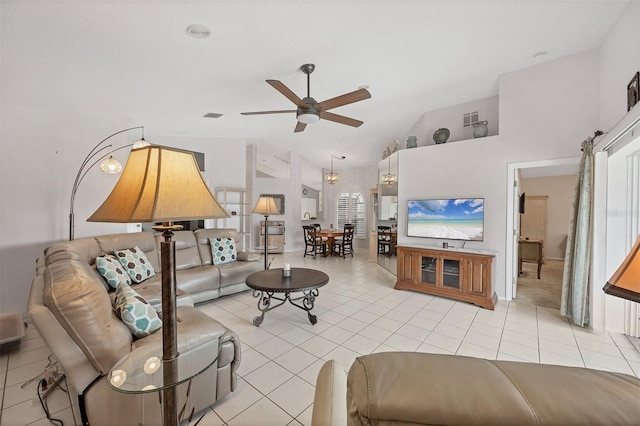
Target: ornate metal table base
x=264 y=303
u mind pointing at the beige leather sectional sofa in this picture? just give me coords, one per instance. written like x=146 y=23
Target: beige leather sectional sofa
x=403 y=388
x=71 y=306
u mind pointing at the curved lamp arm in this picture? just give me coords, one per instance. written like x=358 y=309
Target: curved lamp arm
x=83 y=170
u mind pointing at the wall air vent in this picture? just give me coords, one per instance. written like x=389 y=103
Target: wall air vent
x=469 y=118
x=212 y=115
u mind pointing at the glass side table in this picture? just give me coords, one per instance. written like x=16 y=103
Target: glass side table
x=141 y=370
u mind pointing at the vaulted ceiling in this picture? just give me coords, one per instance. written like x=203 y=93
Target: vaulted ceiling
x=135 y=57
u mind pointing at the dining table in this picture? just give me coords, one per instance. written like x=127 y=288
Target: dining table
x=330 y=235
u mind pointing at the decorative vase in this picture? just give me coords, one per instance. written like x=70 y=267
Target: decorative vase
x=480 y=129
x=441 y=135
x=412 y=142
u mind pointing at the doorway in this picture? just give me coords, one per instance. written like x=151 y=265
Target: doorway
x=552 y=180
x=543 y=236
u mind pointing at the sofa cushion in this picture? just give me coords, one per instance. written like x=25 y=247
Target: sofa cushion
x=136 y=263
x=86 y=249
x=195 y=280
x=187 y=255
x=78 y=299
x=421 y=388
x=135 y=312
x=223 y=250
x=143 y=240
x=112 y=271
x=204 y=245
x=237 y=272
x=248 y=256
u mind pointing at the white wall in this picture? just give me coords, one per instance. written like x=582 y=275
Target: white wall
x=545 y=112
x=619 y=61
x=451 y=118
x=40 y=154
x=225 y=158
x=559 y=189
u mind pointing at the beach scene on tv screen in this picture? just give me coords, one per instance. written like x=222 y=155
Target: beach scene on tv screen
x=456 y=219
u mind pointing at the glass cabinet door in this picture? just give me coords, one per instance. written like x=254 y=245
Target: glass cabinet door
x=451 y=273
x=429 y=270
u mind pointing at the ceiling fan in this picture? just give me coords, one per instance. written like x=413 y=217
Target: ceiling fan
x=309 y=110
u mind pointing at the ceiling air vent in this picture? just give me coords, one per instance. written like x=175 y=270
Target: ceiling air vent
x=212 y=115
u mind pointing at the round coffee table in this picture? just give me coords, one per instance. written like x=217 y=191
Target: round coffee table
x=266 y=284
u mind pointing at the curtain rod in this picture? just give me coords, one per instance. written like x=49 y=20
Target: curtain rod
x=621 y=128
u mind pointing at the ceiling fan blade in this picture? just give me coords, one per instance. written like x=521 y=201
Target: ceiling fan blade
x=280 y=87
x=340 y=119
x=299 y=127
x=268 y=112
x=348 y=98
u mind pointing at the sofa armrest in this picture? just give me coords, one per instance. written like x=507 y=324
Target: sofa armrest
x=230 y=357
x=330 y=400
x=248 y=256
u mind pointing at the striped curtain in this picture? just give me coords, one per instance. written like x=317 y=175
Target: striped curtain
x=577 y=265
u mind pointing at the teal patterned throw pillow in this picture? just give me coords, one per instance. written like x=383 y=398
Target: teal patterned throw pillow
x=135 y=312
x=111 y=270
x=136 y=264
x=223 y=250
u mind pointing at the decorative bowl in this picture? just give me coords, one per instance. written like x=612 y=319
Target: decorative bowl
x=441 y=135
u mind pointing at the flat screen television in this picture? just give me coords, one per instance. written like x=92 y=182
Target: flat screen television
x=451 y=219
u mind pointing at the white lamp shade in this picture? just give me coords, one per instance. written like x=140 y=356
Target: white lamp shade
x=308 y=117
x=111 y=166
x=159 y=184
x=266 y=205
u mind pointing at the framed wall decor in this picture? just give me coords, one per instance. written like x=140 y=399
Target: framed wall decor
x=633 y=91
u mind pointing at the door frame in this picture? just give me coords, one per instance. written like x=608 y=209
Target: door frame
x=547 y=168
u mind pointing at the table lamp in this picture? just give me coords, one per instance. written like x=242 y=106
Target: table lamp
x=266 y=206
x=162 y=184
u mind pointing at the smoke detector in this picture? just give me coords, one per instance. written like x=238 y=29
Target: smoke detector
x=198 y=31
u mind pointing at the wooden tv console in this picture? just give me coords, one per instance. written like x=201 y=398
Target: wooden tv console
x=453 y=273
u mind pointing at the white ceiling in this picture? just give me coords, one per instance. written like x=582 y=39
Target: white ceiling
x=134 y=57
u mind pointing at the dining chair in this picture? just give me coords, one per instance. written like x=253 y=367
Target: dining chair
x=318 y=229
x=312 y=242
x=344 y=245
x=384 y=239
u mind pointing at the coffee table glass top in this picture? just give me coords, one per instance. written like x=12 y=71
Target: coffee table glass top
x=301 y=279
x=141 y=371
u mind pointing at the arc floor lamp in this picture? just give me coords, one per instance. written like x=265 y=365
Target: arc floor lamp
x=162 y=184
x=108 y=165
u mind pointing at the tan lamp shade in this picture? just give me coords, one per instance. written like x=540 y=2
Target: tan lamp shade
x=159 y=184
x=625 y=282
x=266 y=205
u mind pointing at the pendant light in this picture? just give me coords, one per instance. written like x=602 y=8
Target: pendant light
x=333 y=177
x=389 y=179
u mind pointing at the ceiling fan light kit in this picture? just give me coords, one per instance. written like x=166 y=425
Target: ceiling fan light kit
x=309 y=110
x=308 y=116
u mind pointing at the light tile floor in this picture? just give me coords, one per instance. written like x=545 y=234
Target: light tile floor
x=359 y=312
